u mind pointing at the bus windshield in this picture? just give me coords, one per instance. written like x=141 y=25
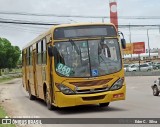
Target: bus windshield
x=88 y=58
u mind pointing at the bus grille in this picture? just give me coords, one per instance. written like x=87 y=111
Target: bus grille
x=93 y=98
x=90 y=91
x=91 y=83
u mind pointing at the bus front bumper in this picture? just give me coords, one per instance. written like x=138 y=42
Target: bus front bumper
x=63 y=100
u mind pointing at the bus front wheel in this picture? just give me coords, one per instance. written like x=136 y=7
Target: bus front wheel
x=104 y=104
x=48 y=100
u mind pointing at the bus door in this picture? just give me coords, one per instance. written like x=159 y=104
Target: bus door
x=34 y=73
x=24 y=70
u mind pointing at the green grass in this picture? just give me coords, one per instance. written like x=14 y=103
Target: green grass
x=11 y=71
x=19 y=70
x=2 y=115
x=2 y=112
x=5 y=80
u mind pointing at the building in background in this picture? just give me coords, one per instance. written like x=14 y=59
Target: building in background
x=136 y=52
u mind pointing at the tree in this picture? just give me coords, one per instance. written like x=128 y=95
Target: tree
x=19 y=63
x=9 y=55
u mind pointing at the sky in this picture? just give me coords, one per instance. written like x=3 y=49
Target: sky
x=20 y=35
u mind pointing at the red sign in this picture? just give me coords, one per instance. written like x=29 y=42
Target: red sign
x=138 y=47
x=113 y=13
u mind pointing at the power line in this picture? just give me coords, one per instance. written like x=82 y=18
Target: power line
x=77 y=16
x=53 y=15
x=28 y=23
x=34 y=23
x=21 y=29
x=19 y=20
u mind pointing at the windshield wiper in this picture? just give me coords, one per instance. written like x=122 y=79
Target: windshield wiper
x=100 y=54
x=75 y=46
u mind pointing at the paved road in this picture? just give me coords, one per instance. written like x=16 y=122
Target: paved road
x=140 y=103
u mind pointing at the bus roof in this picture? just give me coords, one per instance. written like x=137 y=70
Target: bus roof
x=60 y=25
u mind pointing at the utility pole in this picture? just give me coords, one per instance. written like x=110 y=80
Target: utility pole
x=130 y=36
x=148 y=44
x=102 y=19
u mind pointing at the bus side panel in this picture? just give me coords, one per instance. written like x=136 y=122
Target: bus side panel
x=27 y=76
x=30 y=74
x=39 y=80
x=24 y=71
x=35 y=74
x=31 y=80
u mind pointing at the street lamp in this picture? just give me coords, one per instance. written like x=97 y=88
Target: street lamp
x=130 y=36
x=148 y=44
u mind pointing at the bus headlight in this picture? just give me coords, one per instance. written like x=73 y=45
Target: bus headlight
x=64 y=89
x=118 y=84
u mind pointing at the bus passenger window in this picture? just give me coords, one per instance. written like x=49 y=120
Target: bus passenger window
x=39 y=56
x=44 y=51
x=28 y=56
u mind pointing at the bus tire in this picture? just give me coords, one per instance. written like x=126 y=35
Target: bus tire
x=48 y=100
x=104 y=104
x=31 y=97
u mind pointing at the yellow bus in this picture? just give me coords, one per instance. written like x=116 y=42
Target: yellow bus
x=75 y=64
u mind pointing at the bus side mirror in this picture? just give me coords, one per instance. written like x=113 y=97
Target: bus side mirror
x=52 y=51
x=123 y=42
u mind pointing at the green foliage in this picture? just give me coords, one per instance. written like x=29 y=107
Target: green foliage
x=20 y=61
x=5 y=79
x=3 y=114
x=9 y=55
